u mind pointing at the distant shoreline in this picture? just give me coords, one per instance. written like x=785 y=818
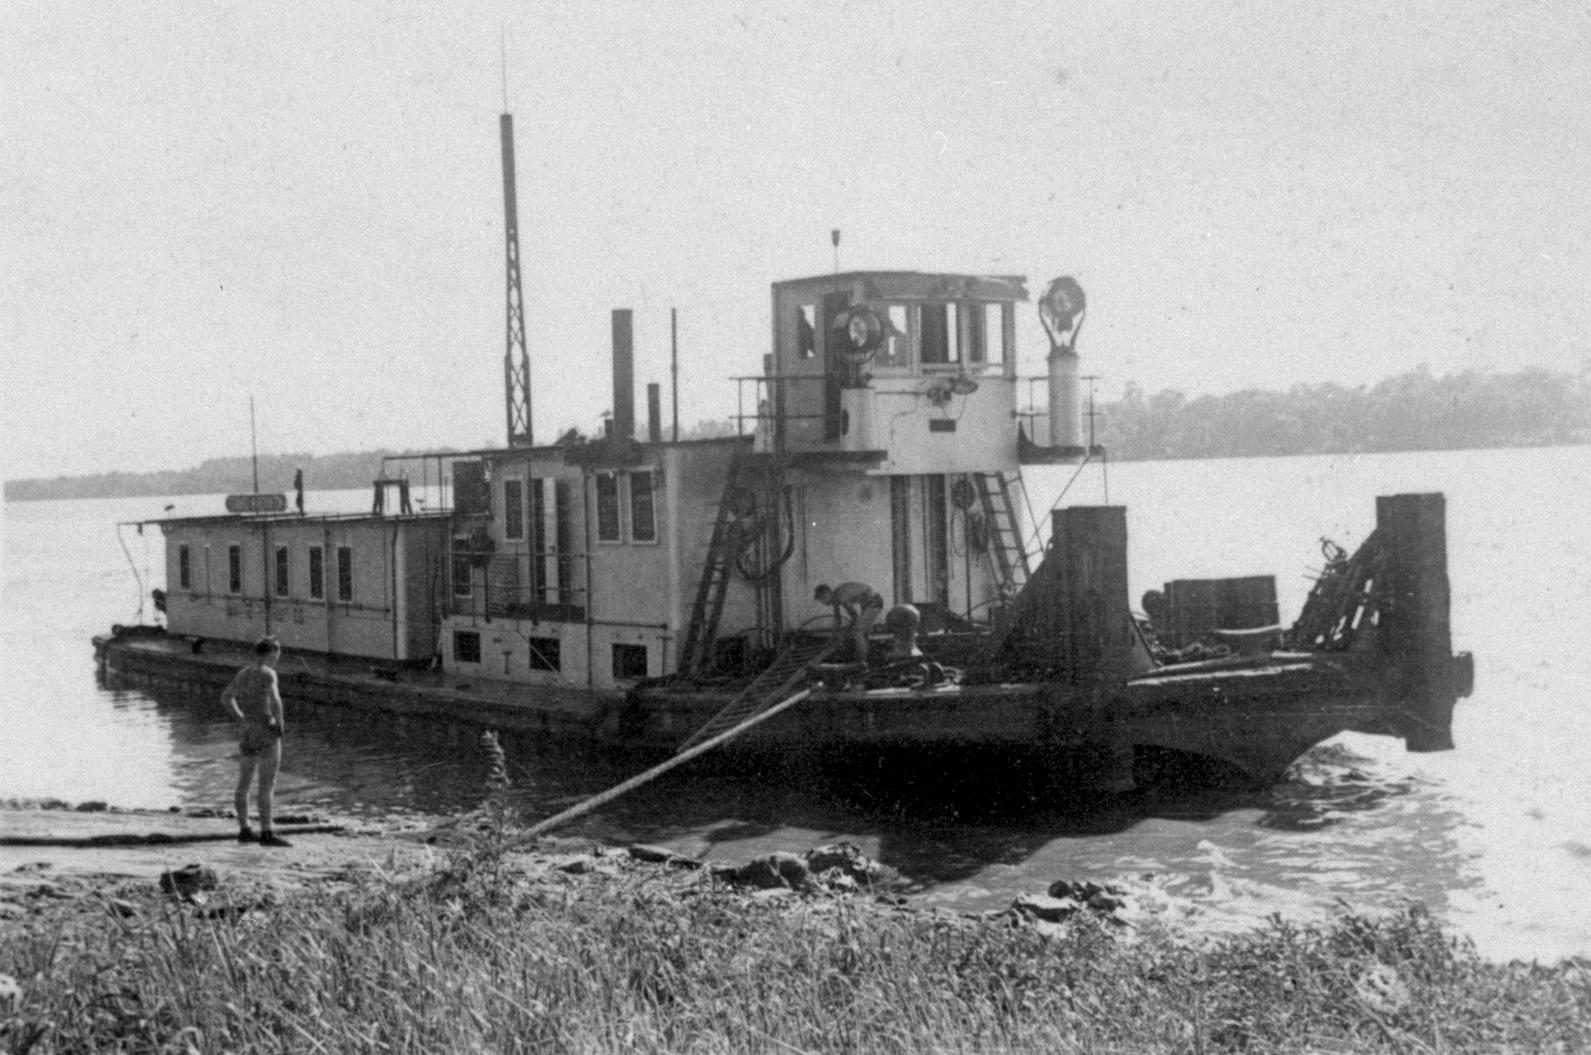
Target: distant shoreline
x=355 y=471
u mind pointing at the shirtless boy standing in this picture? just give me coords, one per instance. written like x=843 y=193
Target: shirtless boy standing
x=253 y=698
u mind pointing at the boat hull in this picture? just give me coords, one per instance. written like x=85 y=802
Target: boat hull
x=1256 y=720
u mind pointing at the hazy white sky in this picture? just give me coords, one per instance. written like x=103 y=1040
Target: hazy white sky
x=302 y=201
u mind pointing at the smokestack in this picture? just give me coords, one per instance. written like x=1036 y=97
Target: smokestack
x=623 y=376
x=654 y=413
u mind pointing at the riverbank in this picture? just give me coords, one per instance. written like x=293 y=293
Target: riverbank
x=371 y=940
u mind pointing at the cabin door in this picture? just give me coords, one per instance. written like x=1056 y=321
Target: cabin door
x=834 y=368
x=900 y=529
x=936 y=523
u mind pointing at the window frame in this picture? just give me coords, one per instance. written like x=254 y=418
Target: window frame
x=467 y=635
x=805 y=346
x=896 y=354
x=184 y=566
x=345 y=574
x=513 y=510
x=544 y=654
x=283 y=569
x=317 y=573
x=234 y=559
x=630 y=648
x=632 y=520
x=605 y=534
x=953 y=349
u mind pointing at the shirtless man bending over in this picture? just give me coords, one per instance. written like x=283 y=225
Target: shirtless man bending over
x=862 y=607
x=253 y=699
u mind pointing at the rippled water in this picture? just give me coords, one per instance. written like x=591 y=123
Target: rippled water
x=1495 y=837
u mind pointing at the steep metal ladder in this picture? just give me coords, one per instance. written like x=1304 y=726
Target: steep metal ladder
x=710 y=592
x=769 y=688
x=1005 y=538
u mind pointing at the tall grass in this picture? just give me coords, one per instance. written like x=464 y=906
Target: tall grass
x=479 y=956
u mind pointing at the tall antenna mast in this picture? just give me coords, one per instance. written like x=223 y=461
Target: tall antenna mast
x=673 y=362
x=516 y=362
x=254 y=447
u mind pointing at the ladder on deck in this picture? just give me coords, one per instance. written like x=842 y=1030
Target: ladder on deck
x=1005 y=537
x=776 y=683
x=714 y=584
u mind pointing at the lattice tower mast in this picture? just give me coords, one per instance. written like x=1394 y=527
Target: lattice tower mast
x=516 y=362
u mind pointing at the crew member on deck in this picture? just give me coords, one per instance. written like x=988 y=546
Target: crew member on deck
x=862 y=607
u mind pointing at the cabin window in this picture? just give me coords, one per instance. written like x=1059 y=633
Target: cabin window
x=629 y=662
x=896 y=350
x=546 y=653
x=345 y=573
x=538 y=539
x=461 y=566
x=466 y=646
x=563 y=540
x=317 y=573
x=938 y=342
x=806 y=331
x=234 y=564
x=643 y=518
x=513 y=509
x=184 y=567
x=608 y=507
x=973 y=320
x=283 y=572
x=995 y=331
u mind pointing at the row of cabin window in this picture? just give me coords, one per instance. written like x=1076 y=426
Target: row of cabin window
x=546 y=653
x=929 y=334
x=635 y=495
x=282 y=571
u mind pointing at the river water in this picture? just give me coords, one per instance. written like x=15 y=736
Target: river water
x=1494 y=837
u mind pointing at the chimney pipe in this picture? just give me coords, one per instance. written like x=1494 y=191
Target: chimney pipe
x=654 y=413
x=623 y=376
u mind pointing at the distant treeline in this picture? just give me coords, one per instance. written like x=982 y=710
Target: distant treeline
x=1415 y=411
x=322 y=472
x=1410 y=412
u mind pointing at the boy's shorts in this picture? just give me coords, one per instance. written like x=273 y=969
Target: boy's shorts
x=257 y=737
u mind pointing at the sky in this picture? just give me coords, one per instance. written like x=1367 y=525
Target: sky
x=302 y=204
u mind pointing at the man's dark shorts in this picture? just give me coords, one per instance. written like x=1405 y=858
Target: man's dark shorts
x=256 y=738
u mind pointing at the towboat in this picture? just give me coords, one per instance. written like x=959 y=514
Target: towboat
x=858 y=572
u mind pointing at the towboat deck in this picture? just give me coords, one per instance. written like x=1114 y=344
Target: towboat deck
x=361 y=685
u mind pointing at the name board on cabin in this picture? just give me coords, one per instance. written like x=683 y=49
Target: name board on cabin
x=256 y=503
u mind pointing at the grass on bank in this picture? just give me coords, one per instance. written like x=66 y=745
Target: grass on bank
x=478 y=957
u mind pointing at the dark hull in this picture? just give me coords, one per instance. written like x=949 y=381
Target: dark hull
x=1256 y=718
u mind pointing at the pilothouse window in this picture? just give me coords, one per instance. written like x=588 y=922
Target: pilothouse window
x=806 y=331
x=937 y=337
x=973 y=316
x=995 y=330
x=897 y=347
